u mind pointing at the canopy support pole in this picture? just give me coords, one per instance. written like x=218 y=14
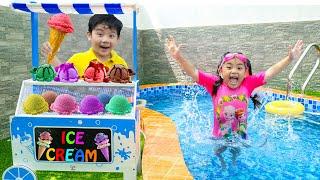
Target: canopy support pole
x=34 y=39
x=134 y=45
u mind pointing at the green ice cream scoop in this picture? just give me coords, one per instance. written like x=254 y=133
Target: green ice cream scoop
x=44 y=72
x=118 y=105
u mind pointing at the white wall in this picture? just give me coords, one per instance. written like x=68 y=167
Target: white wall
x=157 y=14
x=188 y=15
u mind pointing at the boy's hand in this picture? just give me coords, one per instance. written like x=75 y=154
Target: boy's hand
x=173 y=49
x=295 y=52
x=46 y=49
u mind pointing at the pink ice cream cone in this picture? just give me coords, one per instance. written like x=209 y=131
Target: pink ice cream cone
x=102 y=141
x=65 y=104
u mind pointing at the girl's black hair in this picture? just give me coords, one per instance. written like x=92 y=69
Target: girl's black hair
x=218 y=83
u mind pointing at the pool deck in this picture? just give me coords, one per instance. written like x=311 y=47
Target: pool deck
x=162 y=157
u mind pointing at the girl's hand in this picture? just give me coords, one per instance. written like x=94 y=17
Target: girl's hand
x=172 y=47
x=295 y=52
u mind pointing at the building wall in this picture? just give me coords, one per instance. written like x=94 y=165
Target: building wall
x=265 y=44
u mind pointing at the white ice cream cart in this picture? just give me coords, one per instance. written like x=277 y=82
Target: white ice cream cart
x=72 y=146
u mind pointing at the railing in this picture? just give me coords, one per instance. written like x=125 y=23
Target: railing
x=317 y=47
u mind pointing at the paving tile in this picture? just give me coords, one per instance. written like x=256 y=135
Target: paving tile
x=162 y=157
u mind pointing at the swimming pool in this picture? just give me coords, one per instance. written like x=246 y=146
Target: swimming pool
x=276 y=148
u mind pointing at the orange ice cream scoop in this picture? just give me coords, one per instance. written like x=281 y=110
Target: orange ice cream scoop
x=59 y=25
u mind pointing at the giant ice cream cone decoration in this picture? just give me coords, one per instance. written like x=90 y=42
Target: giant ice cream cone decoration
x=44 y=143
x=59 y=26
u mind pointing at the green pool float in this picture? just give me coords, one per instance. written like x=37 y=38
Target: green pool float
x=44 y=72
x=118 y=105
x=35 y=104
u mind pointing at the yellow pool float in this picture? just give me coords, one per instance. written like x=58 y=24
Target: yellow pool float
x=283 y=107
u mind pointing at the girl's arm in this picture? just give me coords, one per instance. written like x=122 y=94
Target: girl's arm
x=294 y=53
x=174 y=51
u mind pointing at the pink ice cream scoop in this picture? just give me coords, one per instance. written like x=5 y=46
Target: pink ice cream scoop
x=65 y=104
x=49 y=96
x=90 y=104
x=102 y=142
x=61 y=22
x=59 y=26
x=45 y=135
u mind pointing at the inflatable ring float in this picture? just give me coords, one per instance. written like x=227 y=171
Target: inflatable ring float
x=283 y=107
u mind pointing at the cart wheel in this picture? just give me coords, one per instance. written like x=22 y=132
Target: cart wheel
x=18 y=173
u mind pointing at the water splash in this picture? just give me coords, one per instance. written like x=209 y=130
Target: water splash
x=123 y=153
x=289 y=88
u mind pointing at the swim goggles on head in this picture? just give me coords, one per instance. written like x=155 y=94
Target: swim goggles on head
x=239 y=56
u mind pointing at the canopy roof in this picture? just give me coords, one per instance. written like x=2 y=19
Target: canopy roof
x=73 y=8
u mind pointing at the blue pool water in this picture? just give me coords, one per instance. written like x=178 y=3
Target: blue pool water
x=277 y=148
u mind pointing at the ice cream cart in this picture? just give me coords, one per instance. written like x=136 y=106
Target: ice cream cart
x=51 y=141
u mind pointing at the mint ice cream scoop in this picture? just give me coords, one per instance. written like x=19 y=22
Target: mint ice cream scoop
x=44 y=72
x=119 y=105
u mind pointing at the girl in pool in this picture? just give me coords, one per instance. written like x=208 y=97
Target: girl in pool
x=230 y=89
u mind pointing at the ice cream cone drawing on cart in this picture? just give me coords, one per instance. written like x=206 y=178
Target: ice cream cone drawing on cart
x=102 y=142
x=44 y=141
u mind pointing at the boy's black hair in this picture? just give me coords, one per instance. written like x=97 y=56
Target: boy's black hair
x=218 y=83
x=108 y=19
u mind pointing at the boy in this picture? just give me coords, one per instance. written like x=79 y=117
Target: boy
x=104 y=35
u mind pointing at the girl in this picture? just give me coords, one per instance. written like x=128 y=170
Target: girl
x=231 y=88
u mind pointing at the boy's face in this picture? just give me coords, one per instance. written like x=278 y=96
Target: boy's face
x=103 y=40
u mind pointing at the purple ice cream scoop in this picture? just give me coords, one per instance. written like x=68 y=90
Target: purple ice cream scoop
x=66 y=73
x=90 y=104
x=100 y=137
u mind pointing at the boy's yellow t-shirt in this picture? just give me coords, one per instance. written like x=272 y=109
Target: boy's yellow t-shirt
x=81 y=60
